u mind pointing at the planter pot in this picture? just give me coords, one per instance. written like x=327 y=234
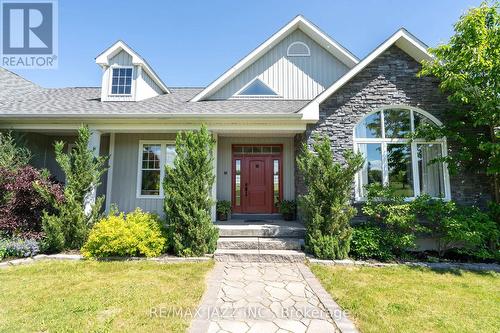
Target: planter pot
x=221 y=216
x=288 y=216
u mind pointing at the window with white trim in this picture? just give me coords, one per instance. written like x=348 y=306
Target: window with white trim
x=121 y=80
x=392 y=158
x=298 y=49
x=153 y=156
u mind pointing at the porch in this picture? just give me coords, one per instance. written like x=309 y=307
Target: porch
x=254 y=171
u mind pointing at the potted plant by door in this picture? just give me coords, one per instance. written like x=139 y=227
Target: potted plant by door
x=287 y=209
x=223 y=209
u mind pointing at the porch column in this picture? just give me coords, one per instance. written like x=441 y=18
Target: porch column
x=94 y=146
x=214 y=187
x=109 y=182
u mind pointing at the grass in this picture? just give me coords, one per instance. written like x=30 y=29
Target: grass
x=99 y=296
x=405 y=299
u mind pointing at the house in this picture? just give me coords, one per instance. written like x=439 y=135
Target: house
x=296 y=84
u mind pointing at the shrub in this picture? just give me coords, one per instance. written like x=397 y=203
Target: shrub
x=188 y=202
x=20 y=248
x=326 y=207
x=135 y=234
x=68 y=226
x=21 y=212
x=394 y=217
x=468 y=230
x=12 y=155
x=368 y=242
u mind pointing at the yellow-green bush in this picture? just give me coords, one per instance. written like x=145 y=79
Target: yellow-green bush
x=135 y=234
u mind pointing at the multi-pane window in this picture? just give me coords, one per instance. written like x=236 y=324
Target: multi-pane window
x=237 y=182
x=121 y=81
x=276 y=182
x=411 y=167
x=153 y=156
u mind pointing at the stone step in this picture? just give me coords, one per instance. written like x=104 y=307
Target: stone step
x=272 y=230
x=226 y=255
x=257 y=243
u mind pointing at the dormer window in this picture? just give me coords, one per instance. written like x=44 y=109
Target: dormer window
x=298 y=49
x=121 y=81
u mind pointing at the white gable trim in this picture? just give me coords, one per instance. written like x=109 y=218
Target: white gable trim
x=402 y=38
x=104 y=58
x=298 y=22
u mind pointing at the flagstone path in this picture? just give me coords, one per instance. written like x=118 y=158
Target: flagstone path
x=267 y=297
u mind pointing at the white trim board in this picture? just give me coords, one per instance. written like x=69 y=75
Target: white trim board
x=402 y=38
x=299 y=22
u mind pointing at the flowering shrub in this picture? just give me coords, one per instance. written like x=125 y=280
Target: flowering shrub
x=134 y=234
x=22 y=206
x=18 y=247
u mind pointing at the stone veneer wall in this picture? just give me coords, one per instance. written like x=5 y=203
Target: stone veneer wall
x=388 y=80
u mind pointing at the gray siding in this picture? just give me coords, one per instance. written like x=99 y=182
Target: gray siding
x=155 y=89
x=125 y=173
x=292 y=77
x=224 y=156
x=121 y=59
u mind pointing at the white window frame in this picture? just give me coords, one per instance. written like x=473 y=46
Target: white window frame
x=238 y=96
x=413 y=148
x=163 y=159
x=308 y=54
x=110 y=80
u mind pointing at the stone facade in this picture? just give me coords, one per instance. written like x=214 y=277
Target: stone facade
x=389 y=80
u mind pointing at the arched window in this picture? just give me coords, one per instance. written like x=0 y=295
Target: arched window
x=392 y=158
x=298 y=49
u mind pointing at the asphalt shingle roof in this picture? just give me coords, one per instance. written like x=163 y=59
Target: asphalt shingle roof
x=20 y=97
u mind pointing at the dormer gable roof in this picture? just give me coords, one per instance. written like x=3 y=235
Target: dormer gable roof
x=103 y=60
x=299 y=22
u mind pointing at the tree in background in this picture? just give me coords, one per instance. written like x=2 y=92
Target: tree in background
x=188 y=201
x=326 y=206
x=68 y=227
x=469 y=70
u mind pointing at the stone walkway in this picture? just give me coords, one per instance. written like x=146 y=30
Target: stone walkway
x=267 y=297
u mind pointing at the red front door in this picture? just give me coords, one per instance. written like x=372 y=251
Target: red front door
x=257 y=185
x=257 y=178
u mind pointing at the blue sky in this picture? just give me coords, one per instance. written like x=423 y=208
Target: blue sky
x=191 y=43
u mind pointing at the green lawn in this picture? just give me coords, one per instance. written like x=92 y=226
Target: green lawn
x=98 y=296
x=404 y=299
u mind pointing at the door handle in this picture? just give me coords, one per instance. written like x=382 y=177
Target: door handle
x=246 y=189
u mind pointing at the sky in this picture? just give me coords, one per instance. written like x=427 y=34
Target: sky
x=191 y=43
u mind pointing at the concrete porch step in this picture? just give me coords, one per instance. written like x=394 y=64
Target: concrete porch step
x=257 y=243
x=256 y=217
x=269 y=229
x=226 y=255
